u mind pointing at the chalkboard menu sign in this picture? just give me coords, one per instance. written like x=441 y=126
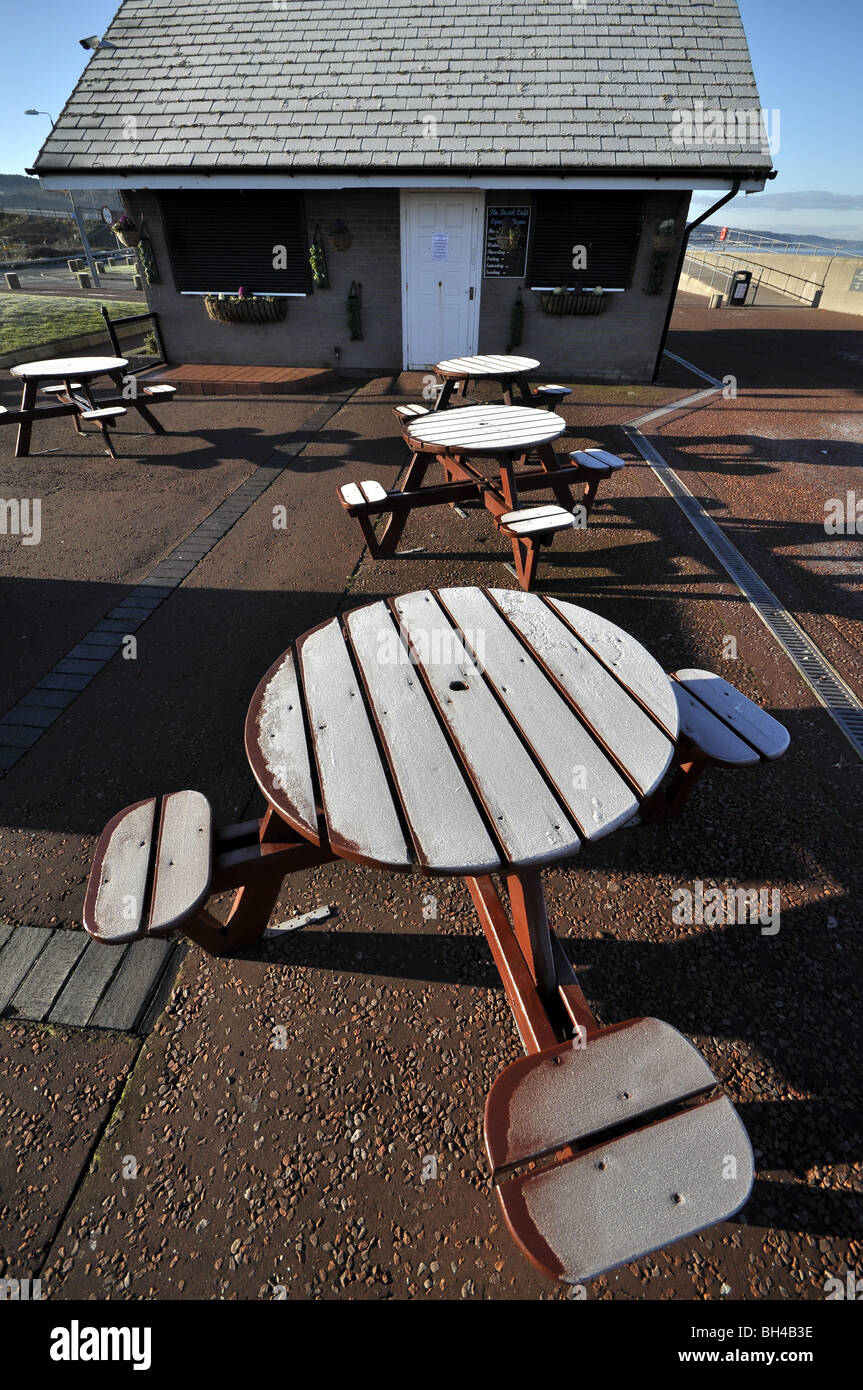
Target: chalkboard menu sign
x=857 y=281
x=506 y=232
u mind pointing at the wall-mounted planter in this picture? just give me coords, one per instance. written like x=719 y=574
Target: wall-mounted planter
x=250 y=309
x=573 y=303
x=126 y=232
x=340 y=236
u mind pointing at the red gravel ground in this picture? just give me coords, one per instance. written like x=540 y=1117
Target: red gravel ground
x=261 y=1166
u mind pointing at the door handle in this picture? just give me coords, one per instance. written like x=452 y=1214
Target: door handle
x=470 y=292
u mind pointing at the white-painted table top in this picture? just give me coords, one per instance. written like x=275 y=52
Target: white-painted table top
x=461 y=731
x=487 y=429
x=62 y=367
x=486 y=365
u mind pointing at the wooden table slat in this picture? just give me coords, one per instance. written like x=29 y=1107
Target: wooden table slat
x=423 y=765
x=361 y=816
x=629 y=734
x=586 y=780
x=281 y=738
x=529 y=821
x=625 y=658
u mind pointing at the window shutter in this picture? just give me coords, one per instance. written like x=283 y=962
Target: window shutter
x=607 y=224
x=220 y=240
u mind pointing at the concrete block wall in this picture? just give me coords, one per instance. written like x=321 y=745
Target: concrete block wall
x=619 y=345
x=315 y=325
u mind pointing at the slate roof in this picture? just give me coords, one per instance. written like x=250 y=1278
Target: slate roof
x=449 y=85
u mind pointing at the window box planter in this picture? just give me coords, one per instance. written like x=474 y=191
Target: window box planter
x=572 y=302
x=250 y=308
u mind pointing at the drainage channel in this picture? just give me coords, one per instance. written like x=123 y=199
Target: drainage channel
x=822 y=678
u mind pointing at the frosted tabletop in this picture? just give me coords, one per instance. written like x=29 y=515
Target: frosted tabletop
x=69 y=366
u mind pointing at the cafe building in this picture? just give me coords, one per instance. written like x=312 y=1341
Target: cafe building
x=377 y=186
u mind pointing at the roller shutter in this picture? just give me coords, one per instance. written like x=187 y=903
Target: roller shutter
x=218 y=241
x=607 y=224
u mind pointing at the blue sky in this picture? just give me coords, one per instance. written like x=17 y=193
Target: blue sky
x=806 y=57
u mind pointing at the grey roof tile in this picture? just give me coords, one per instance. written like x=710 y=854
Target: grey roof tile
x=331 y=82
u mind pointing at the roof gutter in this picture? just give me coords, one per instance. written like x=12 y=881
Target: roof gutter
x=690 y=227
x=199 y=178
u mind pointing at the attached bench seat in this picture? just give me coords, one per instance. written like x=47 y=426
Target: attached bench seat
x=719 y=726
x=152 y=869
x=529 y=528
x=594 y=465
x=404 y=413
x=60 y=389
x=105 y=412
x=540 y=523
x=604 y=1152
x=551 y=395
x=164 y=389
x=713 y=713
x=355 y=496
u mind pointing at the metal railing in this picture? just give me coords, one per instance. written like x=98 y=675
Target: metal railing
x=741 y=240
x=718 y=275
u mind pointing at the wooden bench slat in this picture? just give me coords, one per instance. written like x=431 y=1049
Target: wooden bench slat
x=424 y=768
x=747 y=719
x=372 y=491
x=118 y=911
x=714 y=738
x=611 y=713
x=528 y=820
x=104 y=413
x=185 y=860
x=351 y=494
x=565 y=1095
x=599 y=800
x=598 y=458
x=361 y=816
x=281 y=738
x=635 y=1194
x=626 y=659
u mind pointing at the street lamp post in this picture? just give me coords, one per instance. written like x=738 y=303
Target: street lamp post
x=79 y=221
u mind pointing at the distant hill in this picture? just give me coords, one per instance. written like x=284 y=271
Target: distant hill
x=19 y=192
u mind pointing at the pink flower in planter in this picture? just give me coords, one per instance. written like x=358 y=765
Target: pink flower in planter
x=241 y=293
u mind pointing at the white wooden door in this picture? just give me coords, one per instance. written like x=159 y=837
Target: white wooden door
x=441 y=247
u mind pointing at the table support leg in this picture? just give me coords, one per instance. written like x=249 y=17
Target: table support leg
x=444 y=398
x=561 y=481
x=530 y=922
x=389 y=538
x=28 y=402
x=534 y=1026
x=156 y=426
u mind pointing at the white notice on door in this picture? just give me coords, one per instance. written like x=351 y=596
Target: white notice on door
x=440 y=246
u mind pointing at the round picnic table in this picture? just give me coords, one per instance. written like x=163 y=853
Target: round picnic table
x=487 y=731
x=75 y=398
x=485 y=430
x=65 y=368
x=456 y=372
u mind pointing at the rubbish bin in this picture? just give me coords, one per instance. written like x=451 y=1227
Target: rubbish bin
x=739 y=288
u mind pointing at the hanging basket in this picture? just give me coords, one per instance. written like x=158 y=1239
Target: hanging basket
x=126 y=232
x=574 y=303
x=250 y=309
